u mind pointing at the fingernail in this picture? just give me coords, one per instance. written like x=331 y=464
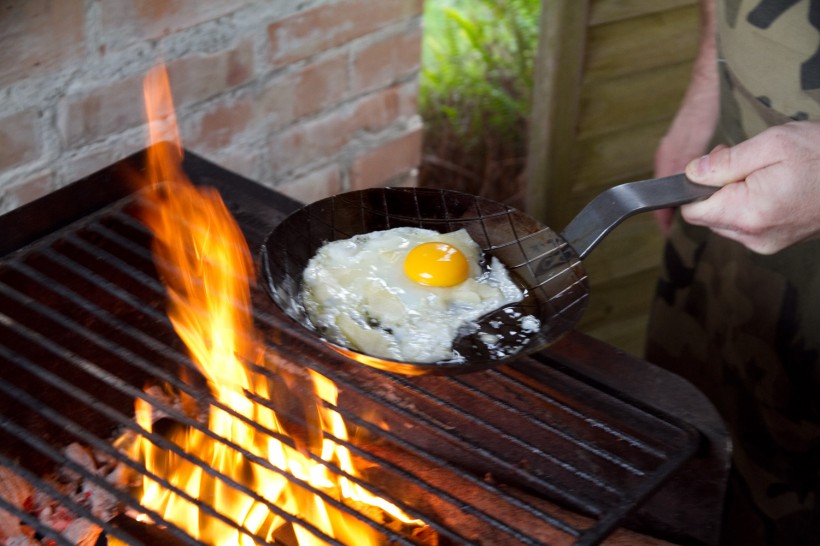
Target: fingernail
x=699 y=166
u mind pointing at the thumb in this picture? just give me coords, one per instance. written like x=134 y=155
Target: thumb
x=727 y=164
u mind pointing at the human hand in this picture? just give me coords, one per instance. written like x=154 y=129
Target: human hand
x=770 y=197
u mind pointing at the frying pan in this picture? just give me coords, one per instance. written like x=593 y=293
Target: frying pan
x=547 y=265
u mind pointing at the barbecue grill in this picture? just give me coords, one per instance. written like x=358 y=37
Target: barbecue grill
x=565 y=446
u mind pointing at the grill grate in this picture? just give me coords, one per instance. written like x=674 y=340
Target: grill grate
x=530 y=453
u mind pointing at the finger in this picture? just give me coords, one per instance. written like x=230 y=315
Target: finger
x=720 y=210
x=727 y=164
x=745 y=223
x=762 y=245
x=718 y=216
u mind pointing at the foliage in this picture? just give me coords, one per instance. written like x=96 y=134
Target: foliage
x=475 y=95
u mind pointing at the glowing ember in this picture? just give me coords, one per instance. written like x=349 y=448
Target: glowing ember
x=206 y=266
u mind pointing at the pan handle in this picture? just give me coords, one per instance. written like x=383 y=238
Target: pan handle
x=618 y=203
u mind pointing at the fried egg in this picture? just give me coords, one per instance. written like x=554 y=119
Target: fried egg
x=403 y=293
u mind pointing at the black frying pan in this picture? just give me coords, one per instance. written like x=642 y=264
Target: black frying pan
x=547 y=265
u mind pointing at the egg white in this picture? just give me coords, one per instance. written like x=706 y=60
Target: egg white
x=356 y=294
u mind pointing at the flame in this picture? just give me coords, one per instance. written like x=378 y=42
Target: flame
x=205 y=263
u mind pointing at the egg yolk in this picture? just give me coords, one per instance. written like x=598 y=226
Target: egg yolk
x=436 y=264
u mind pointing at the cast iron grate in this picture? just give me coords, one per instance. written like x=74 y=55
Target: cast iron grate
x=524 y=454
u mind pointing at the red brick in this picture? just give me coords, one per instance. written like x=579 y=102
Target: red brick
x=111 y=108
x=391 y=160
x=320 y=85
x=39 y=36
x=303 y=92
x=128 y=21
x=26 y=190
x=309 y=141
x=379 y=110
x=409 y=97
x=387 y=61
x=216 y=126
x=89 y=160
x=315 y=185
x=275 y=102
x=116 y=106
x=200 y=76
x=243 y=161
x=326 y=26
x=19 y=142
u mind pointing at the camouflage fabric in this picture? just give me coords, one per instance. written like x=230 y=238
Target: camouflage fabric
x=745 y=328
x=769 y=64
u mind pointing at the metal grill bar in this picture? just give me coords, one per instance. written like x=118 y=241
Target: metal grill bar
x=352 y=417
x=133 y=393
x=662 y=462
x=587 y=446
x=155 y=285
x=7 y=425
x=509 y=377
x=550 y=428
x=128 y=357
x=90 y=439
x=490 y=489
x=449 y=408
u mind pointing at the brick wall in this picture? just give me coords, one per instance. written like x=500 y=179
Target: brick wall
x=309 y=97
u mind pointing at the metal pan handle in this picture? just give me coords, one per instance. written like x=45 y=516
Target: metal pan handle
x=618 y=203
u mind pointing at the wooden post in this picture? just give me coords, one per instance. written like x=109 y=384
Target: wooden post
x=554 y=119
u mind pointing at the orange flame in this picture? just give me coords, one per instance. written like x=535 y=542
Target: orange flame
x=206 y=266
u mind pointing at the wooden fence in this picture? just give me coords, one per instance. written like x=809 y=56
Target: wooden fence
x=609 y=78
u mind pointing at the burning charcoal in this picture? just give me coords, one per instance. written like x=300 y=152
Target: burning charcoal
x=80 y=455
x=161 y=397
x=82 y=532
x=118 y=476
x=20 y=540
x=57 y=517
x=85 y=492
x=14 y=490
x=102 y=503
x=146 y=533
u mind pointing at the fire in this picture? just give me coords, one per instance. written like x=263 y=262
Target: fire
x=206 y=266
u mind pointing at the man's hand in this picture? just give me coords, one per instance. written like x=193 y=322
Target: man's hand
x=770 y=197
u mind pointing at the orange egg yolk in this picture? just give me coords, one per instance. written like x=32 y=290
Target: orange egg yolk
x=436 y=264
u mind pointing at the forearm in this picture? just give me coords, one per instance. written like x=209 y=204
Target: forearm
x=702 y=95
x=694 y=123
x=705 y=67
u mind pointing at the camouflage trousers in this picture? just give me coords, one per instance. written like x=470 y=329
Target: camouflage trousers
x=745 y=329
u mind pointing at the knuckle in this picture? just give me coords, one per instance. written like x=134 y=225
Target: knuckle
x=783 y=136
x=756 y=222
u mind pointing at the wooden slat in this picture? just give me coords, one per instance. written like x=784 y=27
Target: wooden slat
x=630 y=248
x=608 y=11
x=622 y=156
x=618 y=311
x=633 y=100
x=641 y=43
x=627 y=333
